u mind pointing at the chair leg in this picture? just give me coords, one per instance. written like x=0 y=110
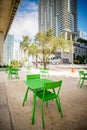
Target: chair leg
x=9 y=76
x=79 y=82
x=46 y=104
x=42 y=112
x=59 y=106
x=25 y=97
x=34 y=106
x=17 y=76
x=82 y=83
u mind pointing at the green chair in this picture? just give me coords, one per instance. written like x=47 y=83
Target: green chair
x=13 y=71
x=7 y=69
x=33 y=76
x=44 y=71
x=29 y=68
x=48 y=93
x=29 y=77
x=83 y=77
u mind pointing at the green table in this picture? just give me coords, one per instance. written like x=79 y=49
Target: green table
x=35 y=85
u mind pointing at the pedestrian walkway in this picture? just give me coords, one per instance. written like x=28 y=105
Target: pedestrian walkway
x=5 y=114
x=13 y=116
x=56 y=72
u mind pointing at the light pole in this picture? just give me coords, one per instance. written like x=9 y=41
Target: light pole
x=72 y=54
x=36 y=58
x=73 y=68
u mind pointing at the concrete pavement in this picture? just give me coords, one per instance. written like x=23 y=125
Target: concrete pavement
x=73 y=99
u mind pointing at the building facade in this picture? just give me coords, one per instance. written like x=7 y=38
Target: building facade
x=8 y=49
x=80 y=34
x=80 y=49
x=8 y=9
x=60 y=15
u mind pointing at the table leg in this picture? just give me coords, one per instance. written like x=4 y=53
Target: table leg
x=25 y=97
x=34 y=106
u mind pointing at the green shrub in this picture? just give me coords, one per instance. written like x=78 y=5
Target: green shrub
x=76 y=61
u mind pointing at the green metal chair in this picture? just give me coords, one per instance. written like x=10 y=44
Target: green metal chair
x=13 y=71
x=44 y=71
x=83 y=77
x=7 y=69
x=29 y=77
x=48 y=93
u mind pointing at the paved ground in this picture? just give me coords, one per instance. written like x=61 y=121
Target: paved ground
x=73 y=99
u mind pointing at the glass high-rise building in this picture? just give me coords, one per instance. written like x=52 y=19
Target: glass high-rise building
x=60 y=15
x=8 y=49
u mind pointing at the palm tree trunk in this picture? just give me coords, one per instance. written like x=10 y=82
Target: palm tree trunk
x=36 y=62
x=44 y=62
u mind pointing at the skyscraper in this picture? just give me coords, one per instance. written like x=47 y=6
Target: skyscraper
x=60 y=15
x=8 y=49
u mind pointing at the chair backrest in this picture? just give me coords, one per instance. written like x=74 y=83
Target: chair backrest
x=33 y=76
x=13 y=70
x=7 y=68
x=81 y=73
x=52 y=86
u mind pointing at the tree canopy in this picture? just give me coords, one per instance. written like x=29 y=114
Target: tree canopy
x=44 y=45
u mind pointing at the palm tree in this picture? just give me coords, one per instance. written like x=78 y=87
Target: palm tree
x=33 y=50
x=24 y=44
x=46 y=45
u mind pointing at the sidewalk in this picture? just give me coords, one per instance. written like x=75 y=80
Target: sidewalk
x=73 y=99
x=5 y=115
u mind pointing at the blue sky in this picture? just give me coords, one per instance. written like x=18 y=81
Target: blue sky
x=26 y=19
x=82 y=15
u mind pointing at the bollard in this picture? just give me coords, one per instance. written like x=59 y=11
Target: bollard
x=73 y=69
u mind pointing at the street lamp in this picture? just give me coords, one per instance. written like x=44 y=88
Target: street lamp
x=73 y=68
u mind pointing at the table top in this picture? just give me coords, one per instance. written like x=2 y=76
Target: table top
x=36 y=83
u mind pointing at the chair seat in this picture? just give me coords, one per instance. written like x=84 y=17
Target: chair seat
x=48 y=95
x=44 y=71
x=13 y=71
x=84 y=78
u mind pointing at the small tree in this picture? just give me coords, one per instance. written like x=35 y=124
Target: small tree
x=14 y=63
x=44 y=41
x=33 y=50
x=79 y=58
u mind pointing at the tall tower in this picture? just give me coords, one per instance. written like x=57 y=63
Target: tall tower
x=8 y=49
x=60 y=15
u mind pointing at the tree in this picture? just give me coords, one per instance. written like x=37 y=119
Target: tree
x=46 y=45
x=33 y=49
x=44 y=41
x=81 y=40
x=79 y=58
x=50 y=44
x=24 y=44
x=14 y=63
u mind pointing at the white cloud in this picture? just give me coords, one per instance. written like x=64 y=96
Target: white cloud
x=85 y=35
x=25 y=22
